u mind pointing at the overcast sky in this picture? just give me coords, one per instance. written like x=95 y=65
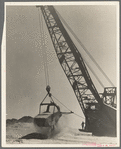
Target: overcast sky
x=95 y=26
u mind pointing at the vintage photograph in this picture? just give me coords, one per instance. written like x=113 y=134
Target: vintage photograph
x=60 y=76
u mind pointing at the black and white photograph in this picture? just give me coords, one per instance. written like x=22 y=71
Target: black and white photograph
x=60 y=74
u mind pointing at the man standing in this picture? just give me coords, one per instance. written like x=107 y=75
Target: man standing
x=82 y=125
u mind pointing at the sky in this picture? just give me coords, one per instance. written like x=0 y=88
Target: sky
x=94 y=25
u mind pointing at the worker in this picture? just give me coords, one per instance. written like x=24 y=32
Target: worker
x=83 y=125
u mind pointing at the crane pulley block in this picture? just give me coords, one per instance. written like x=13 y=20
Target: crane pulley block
x=48 y=90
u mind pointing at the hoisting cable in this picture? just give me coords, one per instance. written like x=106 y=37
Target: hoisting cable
x=44 y=98
x=68 y=108
x=85 y=49
x=44 y=55
x=94 y=74
x=47 y=67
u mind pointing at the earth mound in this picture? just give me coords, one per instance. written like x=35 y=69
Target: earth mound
x=25 y=119
x=11 y=121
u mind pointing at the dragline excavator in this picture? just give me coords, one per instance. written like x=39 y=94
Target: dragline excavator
x=99 y=110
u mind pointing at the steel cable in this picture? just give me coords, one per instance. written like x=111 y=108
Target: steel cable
x=44 y=55
x=67 y=108
x=85 y=50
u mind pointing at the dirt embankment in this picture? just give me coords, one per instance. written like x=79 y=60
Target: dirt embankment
x=25 y=119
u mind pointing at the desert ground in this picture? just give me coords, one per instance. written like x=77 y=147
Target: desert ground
x=63 y=134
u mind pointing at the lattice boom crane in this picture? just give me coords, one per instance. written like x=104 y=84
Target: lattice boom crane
x=74 y=68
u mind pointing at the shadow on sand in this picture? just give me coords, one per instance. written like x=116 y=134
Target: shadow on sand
x=34 y=136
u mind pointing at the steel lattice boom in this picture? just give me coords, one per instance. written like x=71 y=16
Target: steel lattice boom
x=70 y=59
